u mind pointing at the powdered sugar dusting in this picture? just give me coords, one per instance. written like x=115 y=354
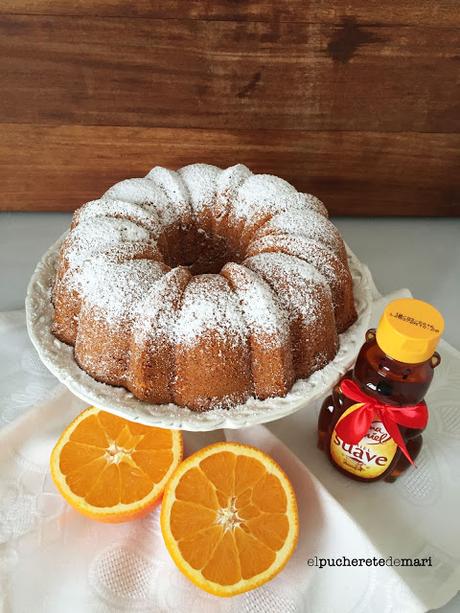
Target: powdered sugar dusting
x=262 y=195
x=294 y=281
x=93 y=235
x=209 y=305
x=309 y=201
x=230 y=180
x=143 y=191
x=227 y=185
x=267 y=188
x=156 y=315
x=175 y=189
x=119 y=209
x=259 y=305
x=313 y=252
x=201 y=181
x=117 y=287
x=305 y=223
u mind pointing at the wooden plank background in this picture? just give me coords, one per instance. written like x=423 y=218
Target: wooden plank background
x=357 y=102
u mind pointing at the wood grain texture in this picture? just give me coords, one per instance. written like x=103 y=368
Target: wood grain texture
x=60 y=167
x=356 y=101
x=231 y=75
x=429 y=12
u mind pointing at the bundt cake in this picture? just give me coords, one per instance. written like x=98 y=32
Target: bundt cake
x=202 y=287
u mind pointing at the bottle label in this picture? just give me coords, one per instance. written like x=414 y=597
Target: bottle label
x=369 y=458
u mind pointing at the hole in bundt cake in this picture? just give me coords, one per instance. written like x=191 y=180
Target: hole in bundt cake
x=202 y=252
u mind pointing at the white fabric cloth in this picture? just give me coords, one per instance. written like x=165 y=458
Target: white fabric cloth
x=53 y=560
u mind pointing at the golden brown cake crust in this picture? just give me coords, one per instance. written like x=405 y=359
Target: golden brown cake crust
x=202 y=287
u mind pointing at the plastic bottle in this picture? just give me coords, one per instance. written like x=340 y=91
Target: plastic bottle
x=371 y=425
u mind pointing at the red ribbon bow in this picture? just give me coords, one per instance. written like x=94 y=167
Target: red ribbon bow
x=354 y=426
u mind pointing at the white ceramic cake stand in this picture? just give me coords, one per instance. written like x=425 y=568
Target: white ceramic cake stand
x=59 y=358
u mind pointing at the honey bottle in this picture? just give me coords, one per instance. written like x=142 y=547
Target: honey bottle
x=371 y=425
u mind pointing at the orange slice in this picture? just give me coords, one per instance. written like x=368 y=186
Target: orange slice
x=111 y=469
x=229 y=518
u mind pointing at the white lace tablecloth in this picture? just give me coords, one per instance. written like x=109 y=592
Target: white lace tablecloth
x=53 y=560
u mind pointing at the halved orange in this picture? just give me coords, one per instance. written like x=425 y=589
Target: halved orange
x=111 y=469
x=229 y=518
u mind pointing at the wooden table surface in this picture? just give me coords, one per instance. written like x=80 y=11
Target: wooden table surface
x=357 y=102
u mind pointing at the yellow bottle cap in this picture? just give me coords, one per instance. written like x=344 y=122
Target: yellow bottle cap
x=409 y=330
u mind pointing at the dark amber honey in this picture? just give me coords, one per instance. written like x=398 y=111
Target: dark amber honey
x=388 y=381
